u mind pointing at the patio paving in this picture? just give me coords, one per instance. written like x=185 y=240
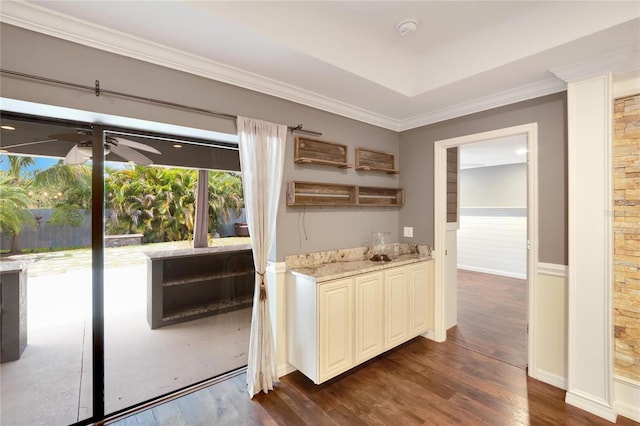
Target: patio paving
x=51 y=383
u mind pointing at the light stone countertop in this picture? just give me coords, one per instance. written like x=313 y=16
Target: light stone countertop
x=342 y=269
x=10 y=265
x=184 y=252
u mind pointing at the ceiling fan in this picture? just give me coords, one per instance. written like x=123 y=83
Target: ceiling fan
x=124 y=148
x=82 y=150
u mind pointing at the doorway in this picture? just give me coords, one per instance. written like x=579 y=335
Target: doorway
x=446 y=253
x=491 y=231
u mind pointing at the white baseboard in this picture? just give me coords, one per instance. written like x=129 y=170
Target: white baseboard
x=429 y=335
x=591 y=405
x=493 y=272
x=552 y=269
x=627 y=398
x=551 y=379
x=284 y=369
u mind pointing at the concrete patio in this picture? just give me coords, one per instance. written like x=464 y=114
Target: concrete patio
x=51 y=383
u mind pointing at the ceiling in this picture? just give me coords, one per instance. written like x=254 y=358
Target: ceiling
x=494 y=152
x=349 y=57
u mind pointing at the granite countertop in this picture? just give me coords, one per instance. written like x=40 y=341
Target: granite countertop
x=343 y=269
x=14 y=265
x=195 y=251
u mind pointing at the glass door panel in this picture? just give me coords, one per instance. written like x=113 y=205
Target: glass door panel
x=174 y=316
x=45 y=275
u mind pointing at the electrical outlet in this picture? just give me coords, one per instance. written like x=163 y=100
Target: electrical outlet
x=408 y=231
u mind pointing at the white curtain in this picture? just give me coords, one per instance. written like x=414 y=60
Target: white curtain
x=201 y=224
x=262 y=147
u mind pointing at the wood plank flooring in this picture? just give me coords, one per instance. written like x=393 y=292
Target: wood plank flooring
x=421 y=382
x=492 y=316
x=476 y=377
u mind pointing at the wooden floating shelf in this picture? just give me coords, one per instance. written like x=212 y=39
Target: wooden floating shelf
x=326 y=194
x=373 y=196
x=370 y=160
x=311 y=151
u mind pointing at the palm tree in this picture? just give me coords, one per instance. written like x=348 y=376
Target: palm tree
x=160 y=203
x=14 y=212
x=72 y=183
x=16 y=164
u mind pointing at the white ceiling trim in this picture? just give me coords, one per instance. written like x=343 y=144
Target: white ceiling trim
x=518 y=94
x=35 y=18
x=620 y=61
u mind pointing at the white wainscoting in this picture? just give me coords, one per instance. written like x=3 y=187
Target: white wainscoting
x=551 y=325
x=494 y=241
x=276 y=285
x=627 y=397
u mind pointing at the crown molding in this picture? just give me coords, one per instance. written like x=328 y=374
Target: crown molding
x=619 y=61
x=35 y=18
x=38 y=19
x=528 y=91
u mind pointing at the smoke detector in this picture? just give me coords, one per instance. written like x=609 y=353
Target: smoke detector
x=407 y=26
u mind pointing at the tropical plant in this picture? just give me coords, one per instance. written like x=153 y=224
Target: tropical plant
x=14 y=212
x=70 y=184
x=67 y=214
x=16 y=164
x=225 y=196
x=160 y=203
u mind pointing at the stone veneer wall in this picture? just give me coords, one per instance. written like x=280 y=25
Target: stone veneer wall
x=626 y=165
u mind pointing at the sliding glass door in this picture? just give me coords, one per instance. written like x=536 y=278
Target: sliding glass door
x=174 y=316
x=115 y=306
x=45 y=277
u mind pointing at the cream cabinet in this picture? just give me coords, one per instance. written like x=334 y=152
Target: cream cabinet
x=419 y=284
x=335 y=328
x=369 y=315
x=396 y=303
x=335 y=325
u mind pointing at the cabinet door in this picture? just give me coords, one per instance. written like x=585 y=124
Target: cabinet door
x=396 y=307
x=418 y=299
x=335 y=324
x=369 y=295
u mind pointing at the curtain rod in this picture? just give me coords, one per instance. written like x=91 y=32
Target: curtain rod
x=98 y=91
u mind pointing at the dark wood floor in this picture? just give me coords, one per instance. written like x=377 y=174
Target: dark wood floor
x=421 y=382
x=492 y=316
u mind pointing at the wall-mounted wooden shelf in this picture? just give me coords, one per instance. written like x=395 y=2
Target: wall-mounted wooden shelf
x=370 y=160
x=373 y=196
x=320 y=194
x=310 y=151
x=327 y=194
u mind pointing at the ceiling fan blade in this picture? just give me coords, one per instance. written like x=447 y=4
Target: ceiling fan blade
x=131 y=155
x=27 y=143
x=74 y=156
x=137 y=145
x=72 y=137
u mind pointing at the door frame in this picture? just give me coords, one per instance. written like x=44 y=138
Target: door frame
x=440 y=226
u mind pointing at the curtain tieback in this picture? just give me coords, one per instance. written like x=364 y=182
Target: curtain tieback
x=263 y=288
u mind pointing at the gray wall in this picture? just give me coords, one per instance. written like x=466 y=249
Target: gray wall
x=416 y=162
x=496 y=186
x=326 y=228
